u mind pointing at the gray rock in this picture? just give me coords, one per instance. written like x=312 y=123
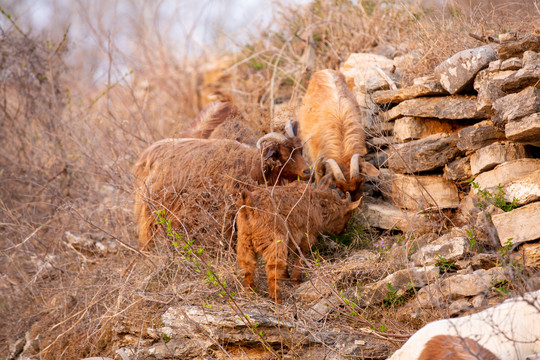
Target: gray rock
x=314 y=288
x=511 y=64
x=367 y=72
x=383 y=215
x=506 y=37
x=416 y=192
x=449 y=107
x=454 y=287
x=427 y=154
x=410 y=128
x=516 y=48
x=525 y=130
x=458 y=72
x=458 y=307
x=452 y=250
x=477 y=136
x=458 y=170
x=519 y=225
x=497 y=153
x=516 y=106
x=415 y=91
x=524 y=190
x=484 y=261
x=400 y=281
x=528 y=255
x=488 y=84
x=528 y=75
x=507 y=172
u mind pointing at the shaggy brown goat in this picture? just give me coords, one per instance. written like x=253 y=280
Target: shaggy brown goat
x=261 y=230
x=221 y=120
x=446 y=347
x=170 y=169
x=330 y=123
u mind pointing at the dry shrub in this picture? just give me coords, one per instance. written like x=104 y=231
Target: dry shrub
x=68 y=148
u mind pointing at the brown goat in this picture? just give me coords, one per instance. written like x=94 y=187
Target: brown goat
x=330 y=122
x=169 y=169
x=221 y=120
x=261 y=229
x=446 y=347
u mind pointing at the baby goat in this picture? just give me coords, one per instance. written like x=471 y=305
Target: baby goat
x=262 y=230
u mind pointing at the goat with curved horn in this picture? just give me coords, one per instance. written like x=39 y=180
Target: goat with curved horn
x=330 y=118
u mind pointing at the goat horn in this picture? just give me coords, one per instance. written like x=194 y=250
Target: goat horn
x=271 y=136
x=355 y=167
x=334 y=168
x=289 y=129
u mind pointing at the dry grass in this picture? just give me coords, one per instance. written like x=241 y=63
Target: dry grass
x=68 y=149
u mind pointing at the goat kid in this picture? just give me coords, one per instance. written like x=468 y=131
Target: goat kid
x=262 y=230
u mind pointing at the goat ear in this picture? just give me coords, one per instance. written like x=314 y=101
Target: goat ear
x=354 y=205
x=369 y=170
x=269 y=152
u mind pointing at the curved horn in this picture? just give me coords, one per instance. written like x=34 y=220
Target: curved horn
x=289 y=129
x=271 y=136
x=334 y=168
x=355 y=167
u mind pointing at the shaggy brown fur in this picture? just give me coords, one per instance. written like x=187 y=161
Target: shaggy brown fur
x=221 y=120
x=169 y=171
x=446 y=347
x=330 y=122
x=307 y=213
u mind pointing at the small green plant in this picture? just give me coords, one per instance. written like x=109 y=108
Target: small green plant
x=473 y=241
x=495 y=198
x=392 y=298
x=505 y=250
x=445 y=265
x=501 y=287
x=166 y=338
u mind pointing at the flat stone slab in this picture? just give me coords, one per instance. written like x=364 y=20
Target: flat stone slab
x=458 y=72
x=516 y=48
x=525 y=130
x=412 y=128
x=426 y=154
x=458 y=170
x=528 y=255
x=524 y=190
x=488 y=85
x=488 y=157
x=527 y=76
x=448 y=107
x=515 y=106
x=477 y=136
x=415 y=91
x=454 y=249
x=423 y=192
x=367 y=72
x=478 y=282
x=383 y=215
x=519 y=225
x=400 y=281
x=507 y=172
